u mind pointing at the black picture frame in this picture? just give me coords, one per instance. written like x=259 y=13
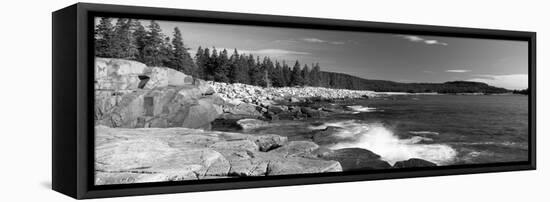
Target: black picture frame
x=73 y=125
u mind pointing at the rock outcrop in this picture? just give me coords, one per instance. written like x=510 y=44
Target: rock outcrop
x=131 y=95
x=139 y=155
x=120 y=74
x=356 y=159
x=413 y=163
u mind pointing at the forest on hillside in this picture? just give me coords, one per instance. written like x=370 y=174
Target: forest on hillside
x=130 y=39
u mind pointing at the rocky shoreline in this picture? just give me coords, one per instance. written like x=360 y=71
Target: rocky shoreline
x=285 y=103
x=154 y=124
x=142 y=155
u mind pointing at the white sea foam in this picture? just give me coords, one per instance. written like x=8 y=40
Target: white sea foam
x=504 y=144
x=359 y=108
x=423 y=133
x=382 y=141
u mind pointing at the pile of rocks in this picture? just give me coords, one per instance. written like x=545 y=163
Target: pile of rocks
x=284 y=103
x=238 y=92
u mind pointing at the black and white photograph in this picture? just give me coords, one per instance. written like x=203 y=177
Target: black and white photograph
x=184 y=101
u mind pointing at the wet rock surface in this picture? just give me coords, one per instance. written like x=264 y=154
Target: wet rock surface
x=356 y=159
x=413 y=163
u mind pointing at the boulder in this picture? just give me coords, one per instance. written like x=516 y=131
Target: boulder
x=176 y=78
x=118 y=74
x=201 y=114
x=356 y=159
x=248 y=124
x=242 y=109
x=296 y=148
x=295 y=165
x=413 y=163
x=276 y=109
x=269 y=142
x=293 y=99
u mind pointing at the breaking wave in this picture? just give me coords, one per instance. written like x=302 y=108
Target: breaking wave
x=359 y=108
x=382 y=141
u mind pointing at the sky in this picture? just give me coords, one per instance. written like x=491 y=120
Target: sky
x=385 y=56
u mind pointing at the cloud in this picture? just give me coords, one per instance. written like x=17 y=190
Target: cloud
x=510 y=81
x=337 y=42
x=412 y=38
x=418 y=39
x=317 y=40
x=314 y=40
x=458 y=70
x=275 y=52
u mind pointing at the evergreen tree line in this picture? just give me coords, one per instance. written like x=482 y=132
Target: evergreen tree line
x=222 y=66
x=129 y=39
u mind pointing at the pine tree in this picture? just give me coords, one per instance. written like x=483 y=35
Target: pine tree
x=181 y=58
x=296 y=76
x=139 y=36
x=277 y=75
x=286 y=74
x=207 y=60
x=266 y=70
x=104 y=37
x=234 y=66
x=200 y=62
x=305 y=75
x=211 y=64
x=245 y=77
x=122 y=39
x=315 y=75
x=239 y=68
x=152 y=51
x=255 y=72
x=166 y=54
x=221 y=69
x=203 y=62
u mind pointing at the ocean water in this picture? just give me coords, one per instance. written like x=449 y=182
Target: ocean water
x=444 y=129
